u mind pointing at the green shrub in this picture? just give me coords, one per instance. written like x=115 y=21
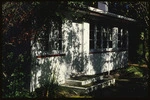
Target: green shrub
x=134 y=71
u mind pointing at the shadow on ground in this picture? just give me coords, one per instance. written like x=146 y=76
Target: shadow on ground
x=123 y=88
x=127 y=85
x=131 y=82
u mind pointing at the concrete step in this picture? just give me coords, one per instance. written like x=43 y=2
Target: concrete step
x=83 y=80
x=93 y=84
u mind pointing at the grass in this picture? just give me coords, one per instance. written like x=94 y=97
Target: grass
x=80 y=96
x=136 y=71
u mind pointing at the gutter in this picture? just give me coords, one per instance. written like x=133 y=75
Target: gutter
x=110 y=14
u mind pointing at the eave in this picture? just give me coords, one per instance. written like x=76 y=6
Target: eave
x=108 y=14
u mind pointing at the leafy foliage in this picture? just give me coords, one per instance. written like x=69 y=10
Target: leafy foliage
x=13 y=77
x=140 y=12
x=136 y=71
x=21 y=21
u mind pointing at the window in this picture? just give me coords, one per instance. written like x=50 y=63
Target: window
x=55 y=38
x=92 y=38
x=50 y=37
x=100 y=37
x=107 y=37
x=95 y=37
x=122 y=39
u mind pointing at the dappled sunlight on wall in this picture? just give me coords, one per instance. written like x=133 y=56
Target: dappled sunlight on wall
x=77 y=62
x=61 y=67
x=75 y=58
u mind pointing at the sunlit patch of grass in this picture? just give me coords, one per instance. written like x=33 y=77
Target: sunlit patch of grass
x=80 y=97
x=135 y=71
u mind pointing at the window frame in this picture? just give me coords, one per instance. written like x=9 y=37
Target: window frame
x=123 y=45
x=46 y=49
x=98 y=29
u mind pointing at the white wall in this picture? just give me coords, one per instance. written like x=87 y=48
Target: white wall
x=62 y=66
x=77 y=59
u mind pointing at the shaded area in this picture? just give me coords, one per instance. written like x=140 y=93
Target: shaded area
x=128 y=84
x=84 y=77
x=123 y=88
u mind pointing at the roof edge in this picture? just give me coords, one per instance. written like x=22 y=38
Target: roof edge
x=110 y=14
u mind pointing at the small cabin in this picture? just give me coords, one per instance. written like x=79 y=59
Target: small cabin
x=76 y=47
